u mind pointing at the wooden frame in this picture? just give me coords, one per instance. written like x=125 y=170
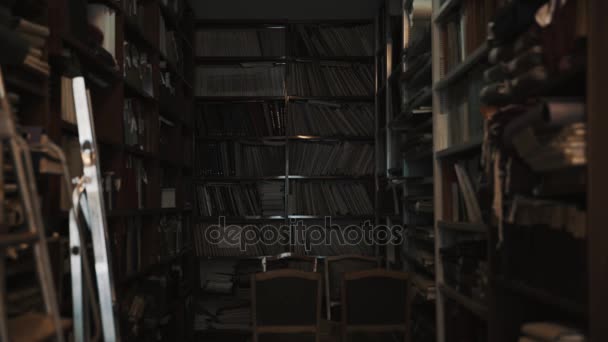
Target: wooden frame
x=374 y=328
x=328 y=260
x=285 y=329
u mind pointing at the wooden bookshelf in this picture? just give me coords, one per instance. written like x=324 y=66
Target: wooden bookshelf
x=512 y=296
x=289 y=57
x=109 y=89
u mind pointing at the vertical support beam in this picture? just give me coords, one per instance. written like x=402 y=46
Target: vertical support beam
x=597 y=195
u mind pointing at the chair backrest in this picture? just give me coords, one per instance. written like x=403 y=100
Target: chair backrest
x=336 y=266
x=375 y=298
x=285 y=302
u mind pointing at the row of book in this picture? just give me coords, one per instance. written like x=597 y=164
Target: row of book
x=330 y=119
x=323 y=198
x=239 y=159
x=325 y=40
x=330 y=79
x=327 y=159
x=137 y=69
x=268 y=42
x=248 y=119
x=138 y=126
x=170 y=45
x=215 y=199
x=252 y=79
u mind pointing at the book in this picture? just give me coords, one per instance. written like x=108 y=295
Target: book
x=257 y=80
x=330 y=119
x=330 y=79
x=334 y=40
x=471 y=202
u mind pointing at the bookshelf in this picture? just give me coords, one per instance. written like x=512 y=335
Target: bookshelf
x=288 y=52
x=404 y=172
x=147 y=237
x=478 y=213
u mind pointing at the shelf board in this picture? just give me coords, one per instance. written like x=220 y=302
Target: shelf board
x=470 y=146
x=462 y=69
x=445 y=10
x=215 y=218
x=370 y=98
x=239 y=98
x=202 y=60
x=350 y=59
x=294 y=177
x=333 y=217
x=145 y=212
x=473 y=306
x=567 y=305
x=291 y=138
x=463 y=227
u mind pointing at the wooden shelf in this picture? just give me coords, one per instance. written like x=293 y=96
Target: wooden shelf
x=462 y=69
x=473 y=306
x=463 y=227
x=370 y=98
x=457 y=150
x=292 y=177
x=291 y=138
x=239 y=98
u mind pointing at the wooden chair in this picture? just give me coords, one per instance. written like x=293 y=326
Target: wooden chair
x=286 y=305
x=335 y=267
x=291 y=261
x=375 y=302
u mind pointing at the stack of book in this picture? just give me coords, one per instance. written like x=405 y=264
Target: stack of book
x=253 y=79
x=268 y=42
x=259 y=119
x=228 y=199
x=227 y=313
x=331 y=119
x=217 y=276
x=330 y=79
x=330 y=159
x=273 y=198
x=30 y=39
x=324 y=40
x=240 y=159
x=320 y=198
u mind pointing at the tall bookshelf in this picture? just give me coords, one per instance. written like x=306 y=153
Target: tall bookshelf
x=147 y=238
x=404 y=134
x=503 y=300
x=285 y=99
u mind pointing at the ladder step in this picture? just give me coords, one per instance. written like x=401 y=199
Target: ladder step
x=8 y=239
x=34 y=327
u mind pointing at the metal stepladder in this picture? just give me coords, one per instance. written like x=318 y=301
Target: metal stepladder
x=23 y=172
x=87 y=198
